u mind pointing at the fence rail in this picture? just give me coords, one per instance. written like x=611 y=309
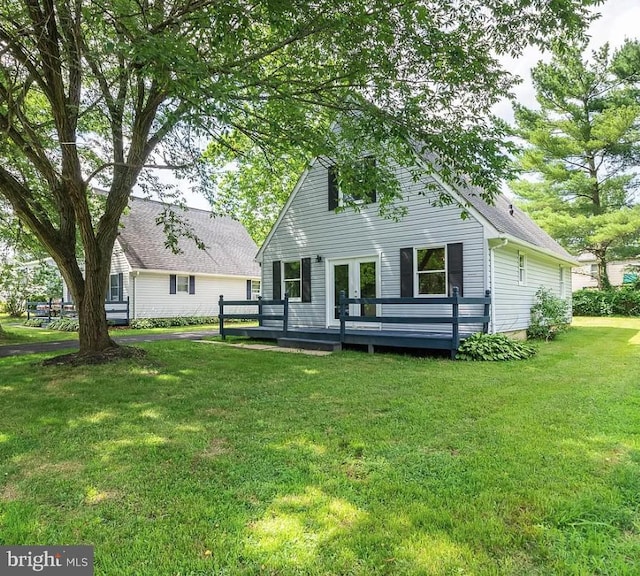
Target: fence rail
x=462 y=311
x=117 y=311
x=260 y=315
x=455 y=318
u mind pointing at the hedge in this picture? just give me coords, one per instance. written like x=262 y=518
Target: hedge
x=143 y=323
x=617 y=302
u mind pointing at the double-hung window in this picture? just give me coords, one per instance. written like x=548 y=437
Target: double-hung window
x=114 y=287
x=182 y=284
x=255 y=289
x=522 y=269
x=431 y=271
x=292 y=275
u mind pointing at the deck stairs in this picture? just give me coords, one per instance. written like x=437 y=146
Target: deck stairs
x=308 y=344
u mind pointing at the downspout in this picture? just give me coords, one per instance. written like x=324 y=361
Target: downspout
x=492 y=281
x=134 y=292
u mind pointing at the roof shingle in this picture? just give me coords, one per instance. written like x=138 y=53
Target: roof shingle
x=229 y=250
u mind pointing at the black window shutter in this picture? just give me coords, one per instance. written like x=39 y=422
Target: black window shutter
x=454 y=268
x=333 y=187
x=306 y=279
x=277 y=280
x=192 y=284
x=248 y=289
x=172 y=284
x=406 y=272
x=120 y=287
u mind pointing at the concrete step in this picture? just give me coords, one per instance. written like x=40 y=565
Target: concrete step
x=306 y=344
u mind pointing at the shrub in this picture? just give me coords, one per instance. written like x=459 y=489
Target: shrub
x=35 y=322
x=549 y=316
x=623 y=301
x=64 y=325
x=494 y=347
x=145 y=323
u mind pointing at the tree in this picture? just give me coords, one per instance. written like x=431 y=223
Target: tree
x=96 y=92
x=583 y=147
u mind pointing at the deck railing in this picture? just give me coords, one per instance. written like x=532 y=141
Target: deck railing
x=51 y=309
x=455 y=318
x=260 y=315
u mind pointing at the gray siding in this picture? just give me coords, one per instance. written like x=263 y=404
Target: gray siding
x=308 y=229
x=513 y=301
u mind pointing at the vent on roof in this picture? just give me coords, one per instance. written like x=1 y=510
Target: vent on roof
x=511 y=209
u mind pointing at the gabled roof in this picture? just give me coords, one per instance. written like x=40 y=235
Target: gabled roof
x=502 y=216
x=229 y=250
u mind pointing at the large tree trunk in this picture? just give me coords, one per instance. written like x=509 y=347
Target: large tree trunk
x=93 y=329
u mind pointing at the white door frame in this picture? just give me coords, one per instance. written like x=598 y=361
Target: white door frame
x=354 y=286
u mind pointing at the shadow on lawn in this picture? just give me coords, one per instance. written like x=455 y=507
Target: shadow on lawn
x=233 y=461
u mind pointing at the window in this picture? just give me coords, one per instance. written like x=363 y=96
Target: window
x=593 y=270
x=255 y=289
x=522 y=269
x=361 y=175
x=292 y=279
x=114 y=288
x=431 y=273
x=182 y=284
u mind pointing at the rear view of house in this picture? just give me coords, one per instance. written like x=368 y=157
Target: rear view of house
x=315 y=251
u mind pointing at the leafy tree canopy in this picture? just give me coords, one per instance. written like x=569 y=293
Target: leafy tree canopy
x=95 y=92
x=582 y=151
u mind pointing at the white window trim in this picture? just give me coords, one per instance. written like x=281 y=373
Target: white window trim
x=284 y=280
x=522 y=269
x=258 y=292
x=178 y=290
x=111 y=298
x=416 y=273
x=563 y=287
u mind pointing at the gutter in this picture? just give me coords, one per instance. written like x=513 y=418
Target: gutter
x=492 y=281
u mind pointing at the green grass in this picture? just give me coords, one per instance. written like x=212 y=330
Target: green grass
x=17 y=333
x=215 y=460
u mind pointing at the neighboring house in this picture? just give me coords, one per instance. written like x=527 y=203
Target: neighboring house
x=315 y=250
x=160 y=284
x=620 y=272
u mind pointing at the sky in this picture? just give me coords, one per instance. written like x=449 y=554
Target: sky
x=620 y=19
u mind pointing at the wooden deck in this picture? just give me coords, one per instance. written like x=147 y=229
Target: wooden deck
x=388 y=338
x=464 y=312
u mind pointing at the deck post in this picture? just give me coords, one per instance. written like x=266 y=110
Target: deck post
x=455 y=309
x=285 y=320
x=342 y=314
x=260 y=307
x=487 y=311
x=221 y=315
x=128 y=318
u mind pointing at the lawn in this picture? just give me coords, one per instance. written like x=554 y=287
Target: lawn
x=17 y=333
x=208 y=459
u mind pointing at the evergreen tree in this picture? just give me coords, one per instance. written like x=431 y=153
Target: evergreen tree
x=580 y=161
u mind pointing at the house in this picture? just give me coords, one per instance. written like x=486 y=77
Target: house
x=158 y=283
x=315 y=250
x=620 y=272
